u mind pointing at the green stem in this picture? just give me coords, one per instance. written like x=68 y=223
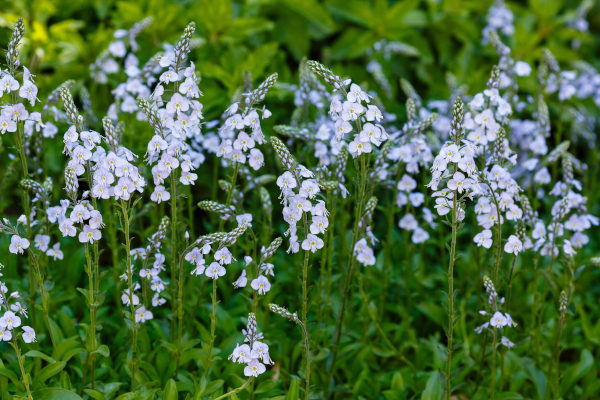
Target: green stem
x=173 y=251
x=40 y=280
x=305 y=318
x=451 y=294
x=91 y=300
x=126 y=221
x=25 y=379
x=493 y=380
x=350 y=269
x=235 y=391
x=213 y=326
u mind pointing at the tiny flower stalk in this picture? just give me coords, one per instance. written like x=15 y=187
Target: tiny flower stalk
x=555 y=360
x=25 y=377
x=9 y=322
x=126 y=221
x=12 y=57
x=281 y=311
x=450 y=154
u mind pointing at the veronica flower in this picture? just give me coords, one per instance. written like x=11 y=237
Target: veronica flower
x=18 y=244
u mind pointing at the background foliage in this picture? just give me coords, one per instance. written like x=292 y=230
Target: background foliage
x=64 y=37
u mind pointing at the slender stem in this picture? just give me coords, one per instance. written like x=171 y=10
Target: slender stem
x=350 y=269
x=236 y=169
x=375 y=321
x=213 y=326
x=305 y=319
x=535 y=308
x=322 y=267
x=173 y=250
x=306 y=346
x=451 y=294
x=235 y=391
x=179 y=313
x=91 y=300
x=330 y=248
x=126 y=221
x=25 y=379
x=27 y=210
x=40 y=280
x=493 y=380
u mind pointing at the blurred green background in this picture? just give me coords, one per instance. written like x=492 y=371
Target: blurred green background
x=262 y=36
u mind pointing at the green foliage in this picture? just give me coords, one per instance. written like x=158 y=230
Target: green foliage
x=440 y=52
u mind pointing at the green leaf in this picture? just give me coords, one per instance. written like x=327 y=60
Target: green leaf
x=54 y=394
x=12 y=376
x=39 y=354
x=212 y=387
x=508 y=396
x=397 y=381
x=294 y=390
x=94 y=394
x=48 y=372
x=433 y=388
x=170 y=391
x=103 y=350
x=577 y=371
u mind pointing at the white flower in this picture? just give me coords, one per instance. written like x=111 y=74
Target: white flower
x=513 y=245
x=357 y=147
x=419 y=235
x=223 y=256
x=521 y=68
x=484 y=238
x=458 y=182
x=5 y=334
x=351 y=111
x=370 y=133
x=160 y=194
x=286 y=181
x=498 y=320
x=244 y=219
x=89 y=234
x=28 y=334
x=505 y=342
x=215 y=270
x=261 y=284
x=256 y=159
x=241 y=354
x=10 y=321
x=312 y=243
x=261 y=351
x=450 y=153
x=254 y=368
x=242 y=281
x=407 y=183
x=18 y=244
x=125 y=298
x=142 y=315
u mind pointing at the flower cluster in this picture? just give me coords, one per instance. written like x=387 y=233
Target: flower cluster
x=498 y=319
x=11 y=318
x=454 y=160
x=174 y=120
x=353 y=108
x=150 y=274
x=123 y=47
x=242 y=131
x=255 y=354
x=298 y=196
x=222 y=257
x=569 y=215
x=362 y=251
x=499 y=20
x=263 y=269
